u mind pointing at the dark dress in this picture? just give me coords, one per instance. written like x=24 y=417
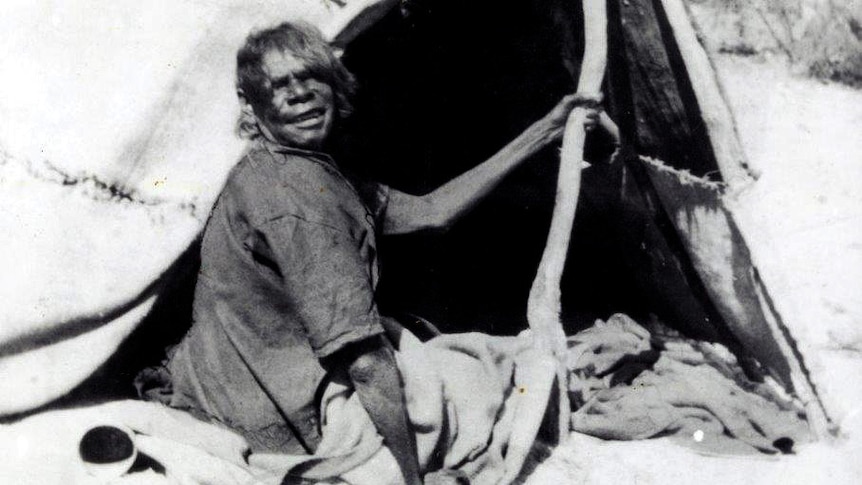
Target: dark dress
x=288 y=276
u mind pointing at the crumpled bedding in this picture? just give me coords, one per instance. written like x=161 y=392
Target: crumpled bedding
x=476 y=402
x=627 y=384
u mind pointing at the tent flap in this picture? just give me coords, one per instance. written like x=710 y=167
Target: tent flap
x=669 y=106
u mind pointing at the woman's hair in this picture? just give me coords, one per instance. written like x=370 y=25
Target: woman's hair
x=305 y=43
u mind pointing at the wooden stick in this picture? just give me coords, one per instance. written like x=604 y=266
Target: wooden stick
x=733 y=165
x=716 y=115
x=543 y=305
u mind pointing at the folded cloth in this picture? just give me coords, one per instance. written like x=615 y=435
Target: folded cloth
x=630 y=385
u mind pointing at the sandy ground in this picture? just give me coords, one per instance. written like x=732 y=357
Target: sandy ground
x=803 y=138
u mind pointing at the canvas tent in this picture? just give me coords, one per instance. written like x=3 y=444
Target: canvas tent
x=671 y=197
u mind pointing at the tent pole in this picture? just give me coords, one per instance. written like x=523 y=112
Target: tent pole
x=716 y=115
x=543 y=304
x=734 y=168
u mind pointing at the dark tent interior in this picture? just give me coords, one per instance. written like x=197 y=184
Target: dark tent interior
x=439 y=95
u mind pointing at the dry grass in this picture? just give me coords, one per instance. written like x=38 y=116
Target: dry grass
x=822 y=38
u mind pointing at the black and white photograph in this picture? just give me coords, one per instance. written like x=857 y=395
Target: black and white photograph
x=440 y=242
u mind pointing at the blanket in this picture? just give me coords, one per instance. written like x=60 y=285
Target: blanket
x=476 y=403
x=628 y=384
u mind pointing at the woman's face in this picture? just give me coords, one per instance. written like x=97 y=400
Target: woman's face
x=301 y=111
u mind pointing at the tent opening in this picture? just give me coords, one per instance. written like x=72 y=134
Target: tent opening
x=440 y=91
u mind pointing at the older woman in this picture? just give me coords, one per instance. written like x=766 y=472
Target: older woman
x=285 y=296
